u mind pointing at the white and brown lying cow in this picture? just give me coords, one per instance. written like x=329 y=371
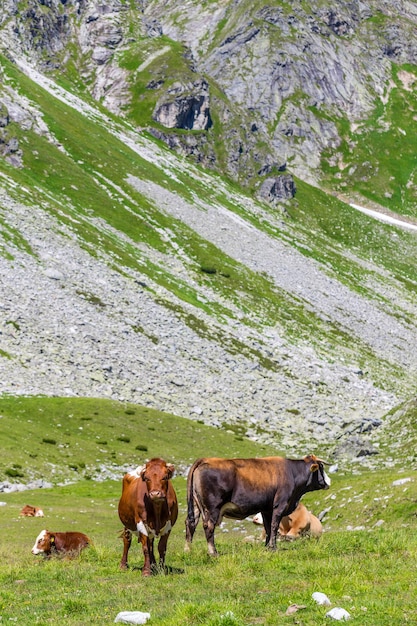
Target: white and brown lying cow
x=300 y=523
x=31 y=511
x=70 y=543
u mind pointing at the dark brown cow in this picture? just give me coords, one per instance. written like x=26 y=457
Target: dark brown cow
x=31 y=511
x=148 y=508
x=238 y=488
x=48 y=542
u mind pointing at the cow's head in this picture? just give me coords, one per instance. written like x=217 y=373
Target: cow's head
x=43 y=543
x=318 y=478
x=156 y=474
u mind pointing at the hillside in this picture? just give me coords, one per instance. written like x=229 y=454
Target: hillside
x=129 y=271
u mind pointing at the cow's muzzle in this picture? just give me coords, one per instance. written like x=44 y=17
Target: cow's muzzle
x=156 y=495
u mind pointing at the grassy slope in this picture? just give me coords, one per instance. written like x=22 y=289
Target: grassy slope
x=87 y=180
x=76 y=437
x=378 y=158
x=369 y=572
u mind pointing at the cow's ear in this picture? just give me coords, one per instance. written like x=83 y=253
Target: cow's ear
x=314 y=467
x=171 y=470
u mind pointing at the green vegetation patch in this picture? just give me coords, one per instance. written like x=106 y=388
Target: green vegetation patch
x=49 y=437
x=380 y=157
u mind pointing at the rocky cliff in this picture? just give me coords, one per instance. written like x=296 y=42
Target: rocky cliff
x=262 y=87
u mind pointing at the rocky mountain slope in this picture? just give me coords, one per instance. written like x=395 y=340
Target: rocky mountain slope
x=265 y=89
x=129 y=272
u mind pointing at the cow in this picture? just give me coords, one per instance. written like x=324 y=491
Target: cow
x=300 y=523
x=237 y=488
x=48 y=542
x=31 y=511
x=148 y=508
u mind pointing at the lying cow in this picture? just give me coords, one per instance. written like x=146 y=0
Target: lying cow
x=31 y=511
x=148 y=508
x=48 y=543
x=301 y=523
x=237 y=488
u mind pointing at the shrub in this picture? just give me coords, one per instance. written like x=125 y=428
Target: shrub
x=12 y=472
x=142 y=447
x=48 y=440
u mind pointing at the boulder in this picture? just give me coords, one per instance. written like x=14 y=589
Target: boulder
x=186 y=107
x=277 y=188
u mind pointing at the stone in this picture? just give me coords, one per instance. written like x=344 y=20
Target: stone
x=277 y=189
x=132 y=617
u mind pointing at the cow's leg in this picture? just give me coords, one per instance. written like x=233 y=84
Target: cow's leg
x=209 y=527
x=162 y=548
x=127 y=540
x=146 y=548
x=151 y=551
x=277 y=515
x=266 y=517
x=190 y=526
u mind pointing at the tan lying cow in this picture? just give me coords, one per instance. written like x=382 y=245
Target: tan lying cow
x=31 y=511
x=148 y=508
x=300 y=523
x=237 y=488
x=48 y=543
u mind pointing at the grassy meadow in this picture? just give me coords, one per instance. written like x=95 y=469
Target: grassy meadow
x=365 y=561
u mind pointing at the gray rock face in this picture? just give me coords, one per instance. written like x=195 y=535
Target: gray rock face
x=9 y=144
x=292 y=73
x=279 y=188
x=186 y=107
x=285 y=66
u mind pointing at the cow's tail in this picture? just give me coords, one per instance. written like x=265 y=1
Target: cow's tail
x=192 y=501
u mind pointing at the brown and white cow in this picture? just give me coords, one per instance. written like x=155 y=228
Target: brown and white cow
x=31 y=511
x=300 y=523
x=237 y=488
x=48 y=542
x=148 y=508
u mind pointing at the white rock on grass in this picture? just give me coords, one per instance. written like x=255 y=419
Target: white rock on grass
x=132 y=617
x=401 y=481
x=338 y=614
x=321 y=598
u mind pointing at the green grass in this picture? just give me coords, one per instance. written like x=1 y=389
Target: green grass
x=369 y=572
x=76 y=437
